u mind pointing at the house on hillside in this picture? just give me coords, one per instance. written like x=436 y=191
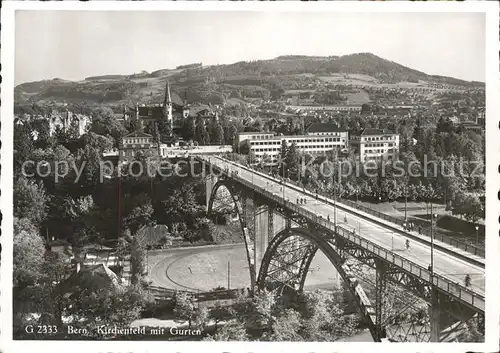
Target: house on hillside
x=69 y=122
x=135 y=142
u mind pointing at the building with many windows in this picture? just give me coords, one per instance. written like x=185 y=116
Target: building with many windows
x=327 y=108
x=319 y=139
x=133 y=143
x=376 y=145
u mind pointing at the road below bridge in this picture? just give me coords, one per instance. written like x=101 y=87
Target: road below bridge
x=204 y=268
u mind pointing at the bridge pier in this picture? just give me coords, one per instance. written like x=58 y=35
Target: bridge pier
x=380 y=297
x=262 y=220
x=210 y=182
x=435 y=316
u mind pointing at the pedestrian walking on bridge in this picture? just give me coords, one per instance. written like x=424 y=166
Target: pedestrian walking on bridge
x=467 y=280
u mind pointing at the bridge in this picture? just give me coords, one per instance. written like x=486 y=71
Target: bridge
x=279 y=256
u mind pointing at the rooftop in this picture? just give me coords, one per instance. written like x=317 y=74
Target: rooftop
x=255 y=133
x=377 y=132
x=153 y=111
x=138 y=134
x=293 y=137
x=324 y=127
x=93 y=277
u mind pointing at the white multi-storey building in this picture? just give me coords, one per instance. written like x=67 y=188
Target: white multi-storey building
x=376 y=145
x=133 y=143
x=319 y=139
x=244 y=136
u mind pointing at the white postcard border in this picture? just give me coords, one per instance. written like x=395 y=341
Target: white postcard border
x=492 y=177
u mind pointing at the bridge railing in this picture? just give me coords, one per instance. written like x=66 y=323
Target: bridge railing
x=470 y=248
x=452 y=288
x=473 y=249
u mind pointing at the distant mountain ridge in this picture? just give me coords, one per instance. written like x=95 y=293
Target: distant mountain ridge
x=220 y=80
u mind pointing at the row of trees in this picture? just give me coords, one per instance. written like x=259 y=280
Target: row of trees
x=310 y=316
x=216 y=132
x=453 y=181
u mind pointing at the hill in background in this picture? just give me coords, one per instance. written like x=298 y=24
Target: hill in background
x=244 y=80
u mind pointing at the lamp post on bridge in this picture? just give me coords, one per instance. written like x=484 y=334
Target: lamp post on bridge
x=477 y=235
x=334 y=203
x=406 y=200
x=283 y=183
x=432 y=242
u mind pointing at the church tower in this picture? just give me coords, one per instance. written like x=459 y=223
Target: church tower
x=167 y=106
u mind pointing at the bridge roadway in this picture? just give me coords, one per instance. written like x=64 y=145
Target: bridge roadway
x=446 y=264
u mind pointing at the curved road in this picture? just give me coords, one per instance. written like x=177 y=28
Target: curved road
x=204 y=268
x=160 y=264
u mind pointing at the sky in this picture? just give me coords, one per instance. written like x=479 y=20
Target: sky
x=76 y=44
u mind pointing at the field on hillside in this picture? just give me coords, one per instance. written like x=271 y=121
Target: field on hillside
x=357 y=98
x=351 y=79
x=366 y=80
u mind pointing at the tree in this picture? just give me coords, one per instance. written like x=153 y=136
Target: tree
x=90 y=158
x=230 y=132
x=137 y=211
x=157 y=138
x=473 y=209
x=179 y=204
x=30 y=201
x=188 y=129
x=99 y=142
x=23 y=145
x=44 y=139
x=282 y=157
x=105 y=123
x=219 y=313
x=165 y=130
x=201 y=318
x=444 y=125
x=28 y=254
x=184 y=307
x=292 y=160
x=216 y=133
x=95 y=304
x=287 y=327
x=137 y=257
x=265 y=305
x=324 y=320
x=43 y=296
x=201 y=134
x=233 y=330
